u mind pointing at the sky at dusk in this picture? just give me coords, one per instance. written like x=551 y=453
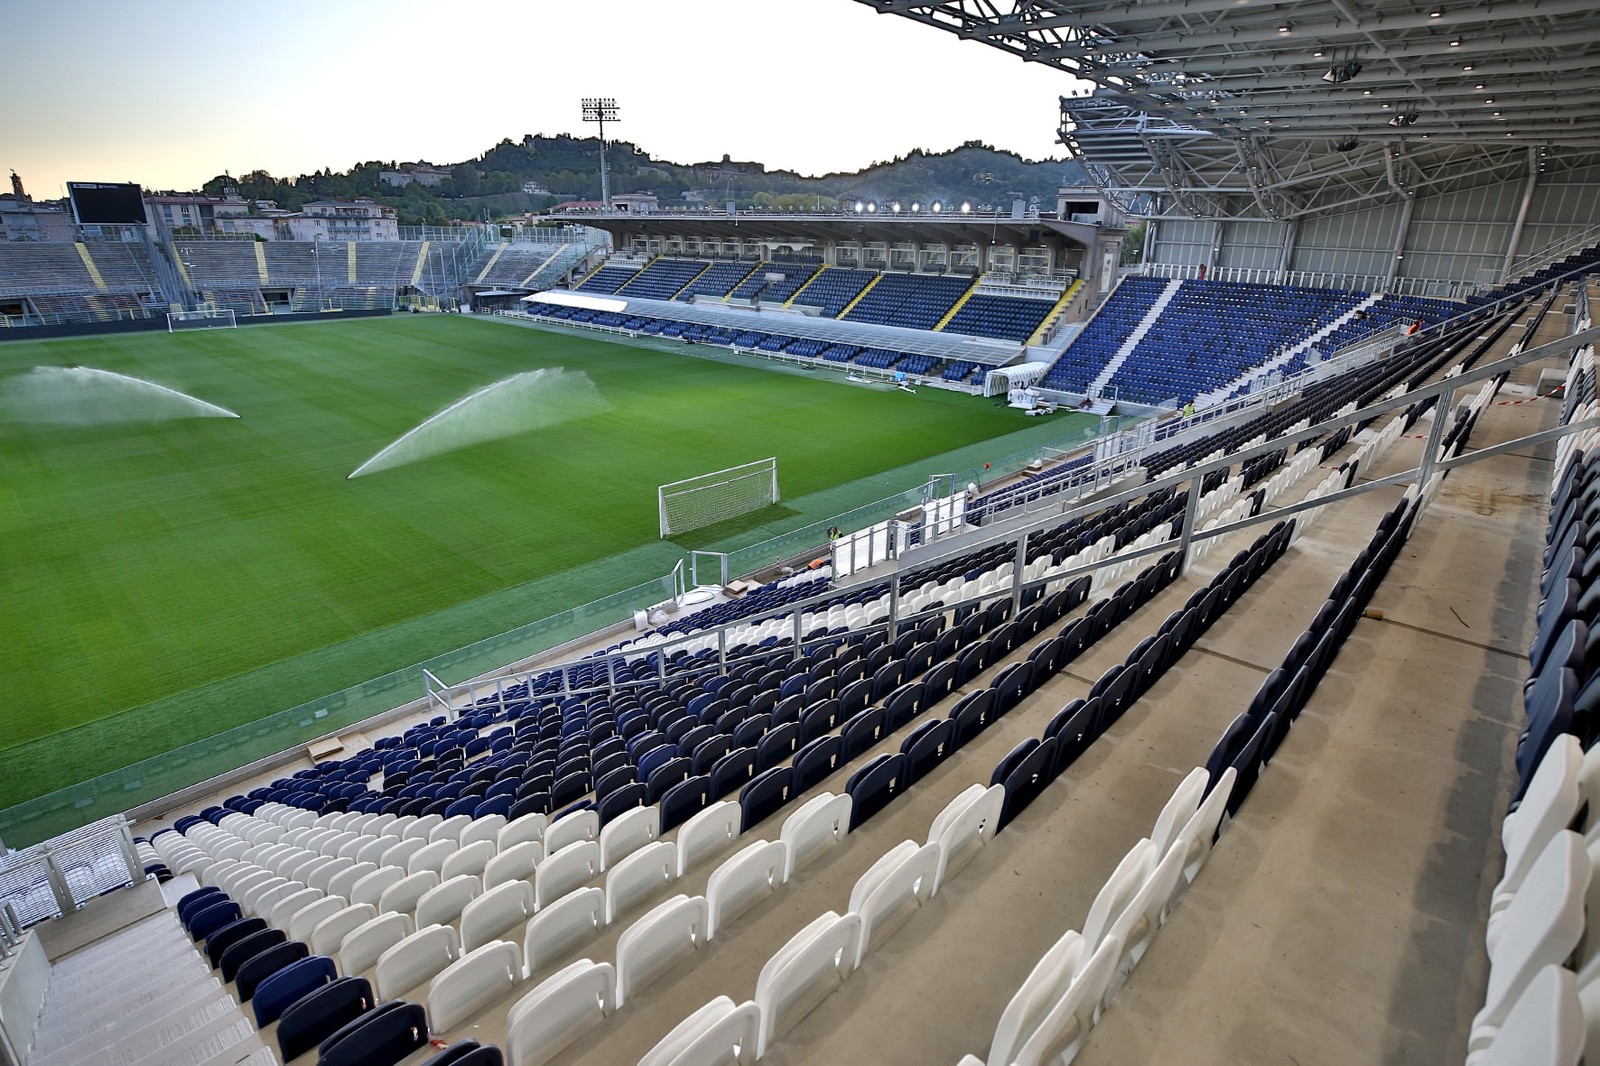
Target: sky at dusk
x=172 y=93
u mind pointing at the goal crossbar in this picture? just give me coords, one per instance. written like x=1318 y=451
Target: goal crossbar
x=707 y=499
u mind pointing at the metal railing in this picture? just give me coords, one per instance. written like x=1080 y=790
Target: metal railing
x=1553 y=252
x=60 y=875
x=1351 y=282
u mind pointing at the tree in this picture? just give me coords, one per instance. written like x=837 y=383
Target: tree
x=464 y=176
x=1133 y=244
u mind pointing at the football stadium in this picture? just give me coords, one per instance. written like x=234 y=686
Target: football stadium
x=1149 y=627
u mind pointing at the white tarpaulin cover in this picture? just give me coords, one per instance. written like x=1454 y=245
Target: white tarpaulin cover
x=1006 y=378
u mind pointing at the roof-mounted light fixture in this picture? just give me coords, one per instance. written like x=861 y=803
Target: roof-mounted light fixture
x=1340 y=73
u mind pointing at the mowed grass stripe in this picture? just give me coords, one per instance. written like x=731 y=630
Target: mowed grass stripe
x=153 y=566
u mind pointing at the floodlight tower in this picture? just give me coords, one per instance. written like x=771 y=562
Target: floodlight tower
x=601 y=109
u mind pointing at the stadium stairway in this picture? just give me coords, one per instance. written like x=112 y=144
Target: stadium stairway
x=142 y=997
x=422 y=263
x=1055 y=314
x=89 y=265
x=1132 y=341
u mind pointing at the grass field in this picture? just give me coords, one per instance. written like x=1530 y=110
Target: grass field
x=167 y=580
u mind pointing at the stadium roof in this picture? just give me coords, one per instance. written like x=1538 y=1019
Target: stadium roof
x=1227 y=108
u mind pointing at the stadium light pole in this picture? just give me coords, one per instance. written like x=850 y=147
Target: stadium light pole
x=601 y=109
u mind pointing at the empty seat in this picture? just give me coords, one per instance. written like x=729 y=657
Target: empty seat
x=719 y=1032
x=804 y=972
x=472 y=982
x=383 y=1036
x=556 y=927
x=743 y=879
x=290 y=984
x=362 y=946
x=314 y=1017
x=444 y=903
x=415 y=959
x=565 y=1006
x=657 y=940
x=499 y=912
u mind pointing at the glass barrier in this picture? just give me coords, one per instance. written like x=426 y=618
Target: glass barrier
x=138 y=783
x=526 y=641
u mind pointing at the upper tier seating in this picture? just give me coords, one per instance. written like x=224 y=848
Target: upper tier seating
x=719 y=280
x=1212 y=333
x=28 y=267
x=1388 y=311
x=220 y=264
x=512 y=264
x=776 y=281
x=662 y=278
x=607 y=279
x=834 y=288
x=1009 y=318
x=1588 y=257
x=915 y=301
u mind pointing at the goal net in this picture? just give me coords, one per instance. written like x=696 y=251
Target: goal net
x=711 y=498
x=220 y=318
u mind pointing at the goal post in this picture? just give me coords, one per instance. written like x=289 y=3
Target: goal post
x=707 y=499
x=210 y=318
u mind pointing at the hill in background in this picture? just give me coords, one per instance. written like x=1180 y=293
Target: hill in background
x=538 y=172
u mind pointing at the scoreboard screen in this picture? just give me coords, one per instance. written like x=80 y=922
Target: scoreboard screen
x=103 y=203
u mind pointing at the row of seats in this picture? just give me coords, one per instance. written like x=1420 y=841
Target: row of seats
x=1582 y=260
x=1052 y=1013
x=1542 y=1005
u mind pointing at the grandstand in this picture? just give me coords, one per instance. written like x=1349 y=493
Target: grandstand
x=1192 y=744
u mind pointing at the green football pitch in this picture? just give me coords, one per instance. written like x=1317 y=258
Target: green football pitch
x=166 y=580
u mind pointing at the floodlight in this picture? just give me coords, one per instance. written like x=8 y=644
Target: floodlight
x=915 y=207
x=937 y=207
x=860 y=207
x=966 y=208
x=1340 y=73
